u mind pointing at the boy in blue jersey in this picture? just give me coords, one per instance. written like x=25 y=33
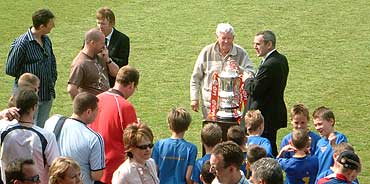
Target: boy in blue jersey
x=338 y=149
x=254 y=124
x=300 y=117
x=349 y=166
x=206 y=177
x=301 y=168
x=237 y=135
x=174 y=156
x=211 y=135
x=324 y=121
x=254 y=153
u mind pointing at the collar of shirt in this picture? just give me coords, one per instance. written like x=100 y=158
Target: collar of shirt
x=109 y=36
x=232 y=51
x=268 y=54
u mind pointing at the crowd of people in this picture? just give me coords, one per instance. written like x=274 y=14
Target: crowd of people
x=103 y=141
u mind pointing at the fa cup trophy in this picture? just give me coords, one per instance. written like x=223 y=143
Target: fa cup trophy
x=226 y=95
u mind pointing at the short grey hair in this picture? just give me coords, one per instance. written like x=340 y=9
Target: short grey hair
x=268 y=35
x=268 y=170
x=224 y=28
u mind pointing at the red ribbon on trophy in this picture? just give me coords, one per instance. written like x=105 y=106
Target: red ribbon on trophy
x=214 y=97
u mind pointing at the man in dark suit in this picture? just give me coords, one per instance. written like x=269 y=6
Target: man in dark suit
x=118 y=44
x=266 y=89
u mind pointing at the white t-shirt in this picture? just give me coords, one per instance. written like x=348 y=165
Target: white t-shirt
x=35 y=143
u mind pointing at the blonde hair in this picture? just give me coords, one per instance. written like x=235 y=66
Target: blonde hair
x=253 y=120
x=59 y=168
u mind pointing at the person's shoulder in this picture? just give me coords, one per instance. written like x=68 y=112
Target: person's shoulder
x=239 y=48
x=341 y=137
x=119 y=33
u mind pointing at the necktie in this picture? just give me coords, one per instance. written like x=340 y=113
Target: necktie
x=106 y=42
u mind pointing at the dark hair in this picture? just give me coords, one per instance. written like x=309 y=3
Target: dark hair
x=25 y=99
x=236 y=134
x=211 y=134
x=300 y=138
x=255 y=152
x=106 y=13
x=350 y=161
x=84 y=101
x=134 y=134
x=14 y=170
x=268 y=170
x=207 y=176
x=231 y=153
x=126 y=75
x=179 y=119
x=41 y=17
x=268 y=35
x=323 y=113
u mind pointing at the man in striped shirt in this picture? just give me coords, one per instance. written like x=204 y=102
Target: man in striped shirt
x=32 y=52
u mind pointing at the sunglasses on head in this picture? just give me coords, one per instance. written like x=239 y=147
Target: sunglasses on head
x=33 y=179
x=145 y=146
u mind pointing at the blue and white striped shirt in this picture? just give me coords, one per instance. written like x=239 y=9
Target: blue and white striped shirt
x=26 y=55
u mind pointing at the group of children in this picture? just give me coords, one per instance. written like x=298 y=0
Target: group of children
x=305 y=156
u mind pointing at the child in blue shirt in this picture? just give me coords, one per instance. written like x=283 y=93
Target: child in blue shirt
x=348 y=168
x=338 y=149
x=174 y=156
x=300 y=117
x=254 y=124
x=237 y=135
x=324 y=122
x=301 y=168
x=211 y=134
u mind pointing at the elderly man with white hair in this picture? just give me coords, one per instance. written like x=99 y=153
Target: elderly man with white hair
x=212 y=59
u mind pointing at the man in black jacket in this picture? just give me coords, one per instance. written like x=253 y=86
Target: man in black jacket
x=266 y=89
x=118 y=44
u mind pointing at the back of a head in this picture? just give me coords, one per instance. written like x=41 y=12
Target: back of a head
x=84 y=101
x=106 y=13
x=59 y=167
x=224 y=28
x=41 y=17
x=253 y=120
x=231 y=153
x=300 y=139
x=134 y=134
x=14 y=170
x=237 y=135
x=207 y=176
x=179 y=119
x=299 y=109
x=28 y=79
x=268 y=170
x=126 y=75
x=349 y=161
x=25 y=99
x=211 y=134
x=323 y=113
x=341 y=147
x=255 y=152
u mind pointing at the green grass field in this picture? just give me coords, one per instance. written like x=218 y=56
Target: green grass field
x=326 y=42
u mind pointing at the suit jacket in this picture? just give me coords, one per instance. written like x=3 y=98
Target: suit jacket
x=119 y=50
x=266 y=91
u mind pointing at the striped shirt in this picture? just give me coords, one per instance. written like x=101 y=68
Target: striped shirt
x=26 y=55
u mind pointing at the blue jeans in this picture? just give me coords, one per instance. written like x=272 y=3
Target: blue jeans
x=42 y=114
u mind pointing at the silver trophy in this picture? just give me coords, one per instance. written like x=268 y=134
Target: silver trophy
x=229 y=94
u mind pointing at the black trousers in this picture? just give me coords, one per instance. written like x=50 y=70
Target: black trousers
x=271 y=136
